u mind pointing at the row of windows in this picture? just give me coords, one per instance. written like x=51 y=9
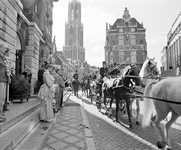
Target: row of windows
x=174 y=54
x=123 y=42
x=73 y=55
x=122 y=58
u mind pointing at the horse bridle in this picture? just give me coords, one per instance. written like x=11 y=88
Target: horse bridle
x=151 y=69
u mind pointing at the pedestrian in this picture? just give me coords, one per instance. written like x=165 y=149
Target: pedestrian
x=27 y=74
x=40 y=75
x=12 y=73
x=47 y=94
x=61 y=87
x=103 y=71
x=4 y=78
x=57 y=97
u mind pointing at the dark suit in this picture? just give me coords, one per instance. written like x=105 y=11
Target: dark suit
x=76 y=76
x=103 y=72
x=40 y=76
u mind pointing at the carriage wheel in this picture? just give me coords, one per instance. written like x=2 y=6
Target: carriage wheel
x=98 y=103
x=122 y=105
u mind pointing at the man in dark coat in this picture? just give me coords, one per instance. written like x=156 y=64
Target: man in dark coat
x=103 y=70
x=76 y=76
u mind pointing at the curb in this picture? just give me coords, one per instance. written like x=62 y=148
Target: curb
x=88 y=133
x=55 y=119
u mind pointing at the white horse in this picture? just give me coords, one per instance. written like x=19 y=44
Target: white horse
x=148 y=71
x=169 y=90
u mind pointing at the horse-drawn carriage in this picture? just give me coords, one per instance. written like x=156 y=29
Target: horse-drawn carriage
x=161 y=96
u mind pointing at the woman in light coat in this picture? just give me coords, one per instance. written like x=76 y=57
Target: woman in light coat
x=47 y=94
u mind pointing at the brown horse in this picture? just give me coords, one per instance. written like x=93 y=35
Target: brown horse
x=120 y=87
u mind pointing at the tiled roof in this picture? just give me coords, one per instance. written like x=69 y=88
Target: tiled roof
x=121 y=22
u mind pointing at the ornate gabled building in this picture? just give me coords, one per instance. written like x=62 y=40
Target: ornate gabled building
x=125 y=42
x=74 y=46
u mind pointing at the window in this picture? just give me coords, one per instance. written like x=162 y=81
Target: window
x=133 y=57
x=111 y=58
x=36 y=8
x=121 y=57
x=141 y=41
x=133 y=41
x=121 y=42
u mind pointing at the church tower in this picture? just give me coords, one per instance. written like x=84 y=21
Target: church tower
x=74 y=46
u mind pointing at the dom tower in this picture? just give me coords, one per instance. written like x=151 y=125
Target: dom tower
x=74 y=47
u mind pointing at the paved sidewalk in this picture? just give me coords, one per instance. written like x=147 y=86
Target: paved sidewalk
x=71 y=131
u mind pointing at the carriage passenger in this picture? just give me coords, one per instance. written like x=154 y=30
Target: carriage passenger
x=76 y=75
x=103 y=71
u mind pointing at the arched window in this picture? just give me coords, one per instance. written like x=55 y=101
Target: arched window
x=141 y=41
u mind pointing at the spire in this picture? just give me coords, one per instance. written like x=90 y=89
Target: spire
x=126 y=15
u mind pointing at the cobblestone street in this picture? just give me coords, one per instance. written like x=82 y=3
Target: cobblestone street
x=109 y=135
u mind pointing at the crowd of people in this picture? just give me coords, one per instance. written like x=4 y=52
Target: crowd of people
x=50 y=80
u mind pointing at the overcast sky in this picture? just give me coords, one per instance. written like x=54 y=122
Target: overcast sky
x=157 y=17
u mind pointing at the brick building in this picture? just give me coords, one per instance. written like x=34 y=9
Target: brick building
x=125 y=42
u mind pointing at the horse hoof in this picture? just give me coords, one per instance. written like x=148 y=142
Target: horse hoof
x=138 y=123
x=160 y=145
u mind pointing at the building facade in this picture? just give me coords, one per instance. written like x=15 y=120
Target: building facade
x=125 y=42
x=41 y=12
x=74 y=44
x=164 y=59
x=22 y=27
x=171 y=57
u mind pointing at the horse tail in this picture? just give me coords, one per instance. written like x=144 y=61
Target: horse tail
x=148 y=105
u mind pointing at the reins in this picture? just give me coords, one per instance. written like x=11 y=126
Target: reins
x=154 y=98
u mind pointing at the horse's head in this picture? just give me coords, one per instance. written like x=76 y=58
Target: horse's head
x=132 y=72
x=149 y=68
x=152 y=67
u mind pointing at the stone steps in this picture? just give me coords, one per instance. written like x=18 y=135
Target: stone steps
x=35 y=140
x=11 y=137
x=17 y=112
x=23 y=129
